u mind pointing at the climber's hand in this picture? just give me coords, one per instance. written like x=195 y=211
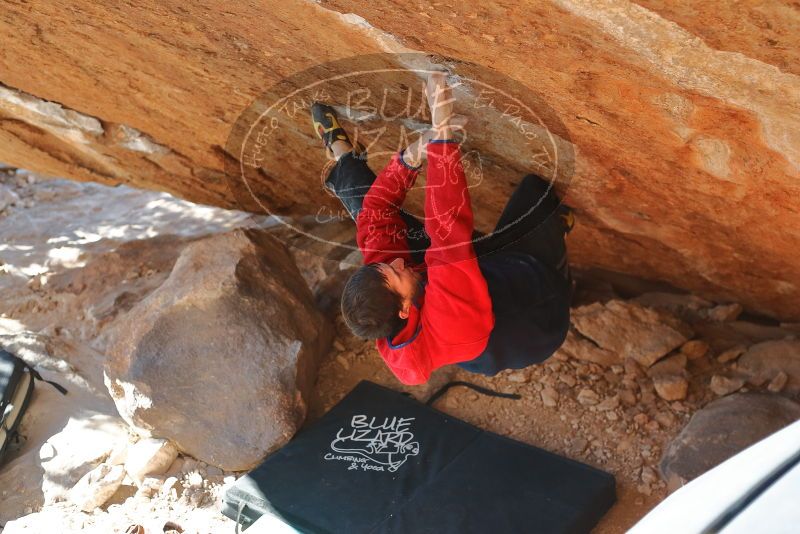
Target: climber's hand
x=440 y=101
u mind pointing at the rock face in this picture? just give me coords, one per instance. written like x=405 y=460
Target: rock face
x=683 y=116
x=722 y=429
x=221 y=358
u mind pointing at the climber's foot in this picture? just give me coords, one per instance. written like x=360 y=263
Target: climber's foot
x=326 y=125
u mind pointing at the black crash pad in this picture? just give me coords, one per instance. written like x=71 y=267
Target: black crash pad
x=380 y=461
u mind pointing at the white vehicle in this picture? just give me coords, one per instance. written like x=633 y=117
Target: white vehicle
x=757 y=491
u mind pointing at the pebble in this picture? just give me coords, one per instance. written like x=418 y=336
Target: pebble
x=665 y=419
x=343 y=362
x=725 y=312
x=588 y=397
x=518 y=377
x=609 y=404
x=632 y=368
x=731 y=354
x=670 y=387
x=641 y=418
x=549 y=397
x=627 y=397
x=338 y=345
x=695 y=349
x=194 y=480
x=723 y=385
x=671 y=365
x=568 y=380
x=777 y=384
x=649 y=475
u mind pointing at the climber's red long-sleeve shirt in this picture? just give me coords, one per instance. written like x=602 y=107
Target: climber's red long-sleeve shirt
x=452 y=321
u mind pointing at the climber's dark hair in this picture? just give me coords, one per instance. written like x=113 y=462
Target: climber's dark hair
x=370 y=309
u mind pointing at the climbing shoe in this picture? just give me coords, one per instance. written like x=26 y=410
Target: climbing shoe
x=567 y=217
x=326 y=124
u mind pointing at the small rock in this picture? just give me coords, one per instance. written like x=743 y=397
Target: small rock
x=149 y=456
x=649 y=475
x=518 y=377
x=588 y=397
x=731 y=354
x=150 y=487
x=627 y=397
x=578 y=348
x=777 y=384
x=343 y=362
x=722 y=385
x=632 y=368
x=549 y=397
x=671 y=365
x=194 y=480
x=671 y=387
x=568 y=380
x=725 y=312
x=578 y=446
x=665 y=419
x=625 y=444
x=695 y=349
x=641 y=418
x=97 y=486
x=764 y=360
x=609 y=404
x=338 y=345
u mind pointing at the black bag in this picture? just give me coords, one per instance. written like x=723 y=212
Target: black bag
x=380 y=461
x=16 y=387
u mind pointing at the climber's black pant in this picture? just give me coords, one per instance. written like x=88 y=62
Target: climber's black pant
x=529 y=222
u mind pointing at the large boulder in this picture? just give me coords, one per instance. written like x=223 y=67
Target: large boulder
x=221 y=358
x=722 y=429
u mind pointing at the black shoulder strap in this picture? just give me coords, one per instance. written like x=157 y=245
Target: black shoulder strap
x=479 y=389
x=35 y=374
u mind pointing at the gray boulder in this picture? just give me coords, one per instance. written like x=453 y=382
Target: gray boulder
x=722 y=429
x=221 y=358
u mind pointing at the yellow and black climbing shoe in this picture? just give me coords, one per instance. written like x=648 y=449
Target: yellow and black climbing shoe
x=327 y=125
x=567 y=217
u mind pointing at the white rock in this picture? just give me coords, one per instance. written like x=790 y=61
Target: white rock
x=97 y=486
x=149 y=456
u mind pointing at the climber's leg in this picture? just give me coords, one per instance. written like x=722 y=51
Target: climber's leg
x=534 y=221
x=350 y=178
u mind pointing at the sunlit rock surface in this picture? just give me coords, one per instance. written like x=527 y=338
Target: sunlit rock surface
x=683 y=117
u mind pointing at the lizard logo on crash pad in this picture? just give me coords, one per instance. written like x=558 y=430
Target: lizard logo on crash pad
x=374 y=444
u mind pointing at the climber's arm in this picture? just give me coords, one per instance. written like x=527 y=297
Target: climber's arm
x=381 y=233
